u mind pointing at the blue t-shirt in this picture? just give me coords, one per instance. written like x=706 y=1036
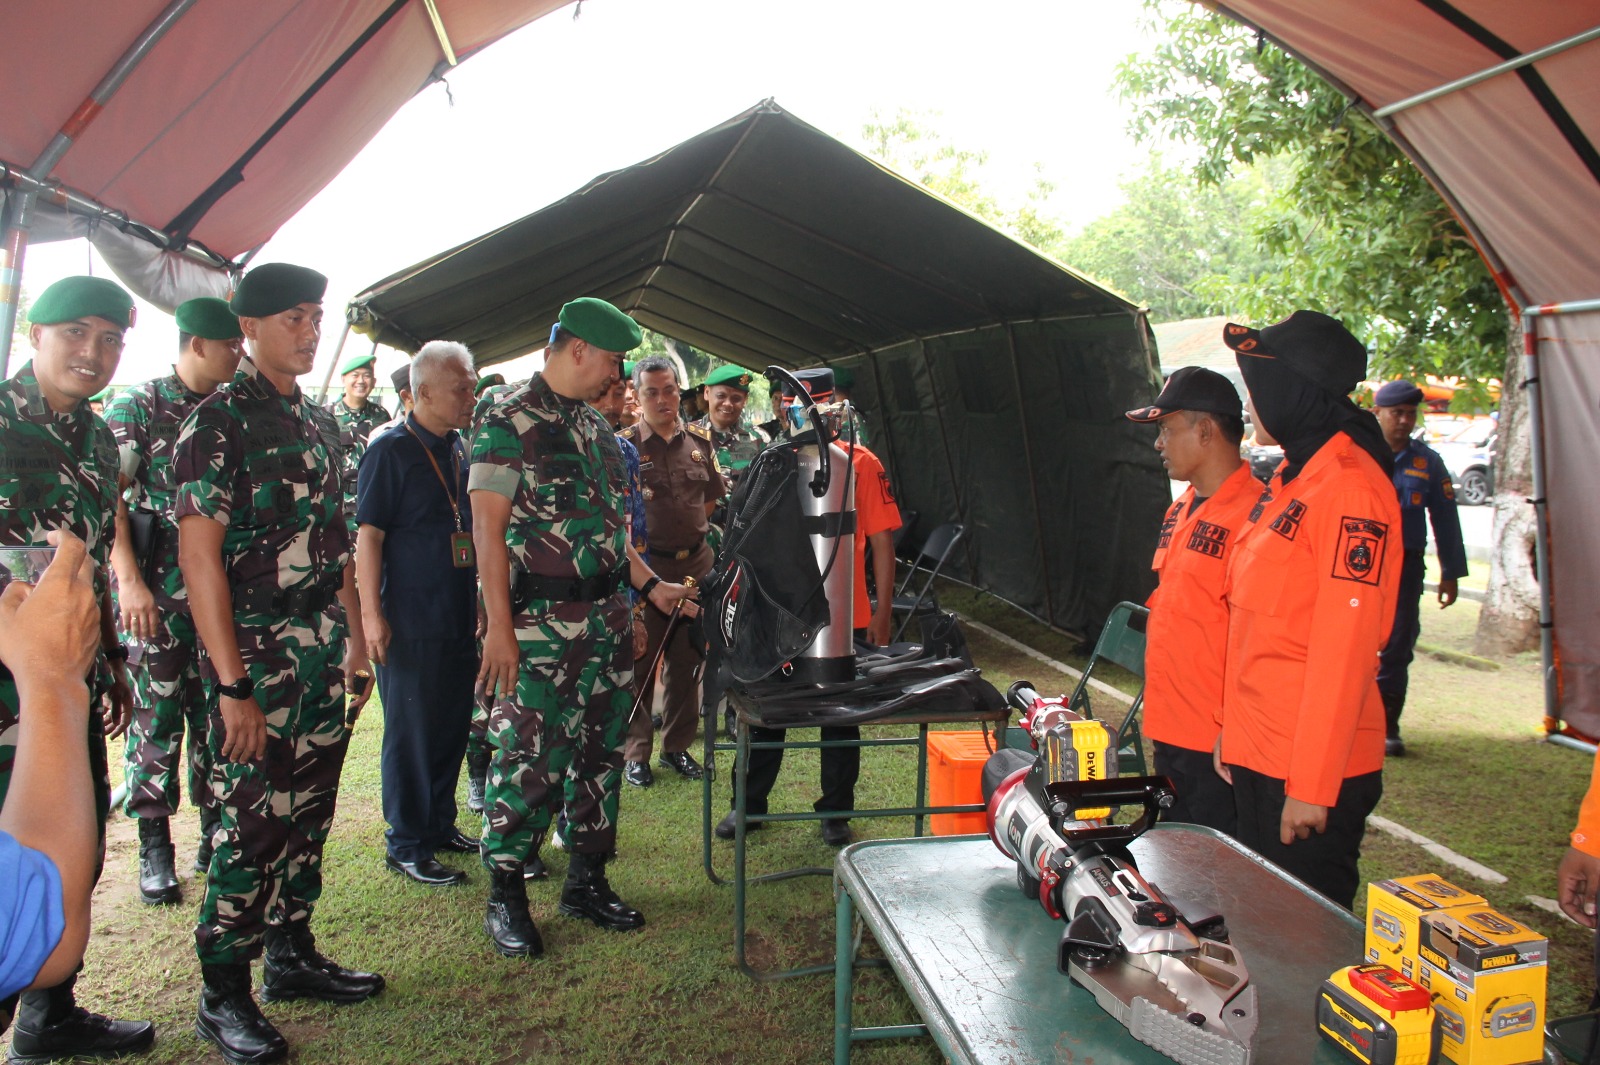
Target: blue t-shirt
x=425 y=595
x=31 y=917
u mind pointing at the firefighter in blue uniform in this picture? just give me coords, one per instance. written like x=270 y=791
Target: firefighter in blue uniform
x=1426 y=493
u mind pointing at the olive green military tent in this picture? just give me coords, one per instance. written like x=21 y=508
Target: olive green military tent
x=993 y=378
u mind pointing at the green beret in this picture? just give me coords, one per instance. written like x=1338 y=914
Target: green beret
x=72 y=298
x=730 y=375
x=105 y=393
x=627 y=368
x=273 y=288
x=488 y=380
x=208 y=317
x=844 y=378
x=355 y=362
x=601 y=324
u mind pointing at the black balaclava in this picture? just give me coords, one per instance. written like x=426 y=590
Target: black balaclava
x=1300 y=373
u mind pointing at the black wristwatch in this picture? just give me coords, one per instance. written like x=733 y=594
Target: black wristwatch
x=239 y=689
x=648 y=586
x=117 y=652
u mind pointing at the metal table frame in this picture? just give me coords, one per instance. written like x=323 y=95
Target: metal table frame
x=745 y=717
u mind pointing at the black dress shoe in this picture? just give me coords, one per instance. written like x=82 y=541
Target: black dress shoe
x=836 y=832
x=726 y=828
x=638 y=774
x=683 y=762
x=459 y=843
x=80 y=1034
x=1394 y=747
x=428 y=871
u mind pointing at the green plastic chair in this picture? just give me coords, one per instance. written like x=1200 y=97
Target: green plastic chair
x=1121 y=642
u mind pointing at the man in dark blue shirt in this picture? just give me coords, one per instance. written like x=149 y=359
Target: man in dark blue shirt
x=415 y=564
x=1426 y=493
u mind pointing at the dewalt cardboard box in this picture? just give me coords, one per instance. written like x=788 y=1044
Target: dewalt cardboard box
x=1486 y=973
x=1395 y=906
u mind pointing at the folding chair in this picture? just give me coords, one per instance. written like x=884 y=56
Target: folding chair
x=936 y=550
x=1121 y=642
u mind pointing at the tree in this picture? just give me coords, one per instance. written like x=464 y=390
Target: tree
x=1360 y=234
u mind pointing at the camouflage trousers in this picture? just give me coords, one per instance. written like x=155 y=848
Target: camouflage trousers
x=275 y=812
x=559 y=737
x=167 y=697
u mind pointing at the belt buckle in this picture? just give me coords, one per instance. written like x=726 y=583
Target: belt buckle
x=679 y=556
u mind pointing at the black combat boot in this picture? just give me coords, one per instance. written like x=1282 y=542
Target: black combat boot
x=534 y=868
x=210 y=819
x=293 y=969
x=477 y=777
x=507 y=921
x=52 y=1027
x=587 y=894
x=230 y=1019
x=158 y=883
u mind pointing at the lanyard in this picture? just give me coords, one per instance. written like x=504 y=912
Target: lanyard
x=453 y=497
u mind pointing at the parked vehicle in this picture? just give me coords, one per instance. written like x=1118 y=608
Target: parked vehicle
x=1469 y=456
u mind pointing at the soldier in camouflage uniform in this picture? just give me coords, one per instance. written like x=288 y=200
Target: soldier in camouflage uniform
x=150 y=595
x=736 y=439
x=546 y=486
x=266 y=558
x=58 y=470
x=357 y=417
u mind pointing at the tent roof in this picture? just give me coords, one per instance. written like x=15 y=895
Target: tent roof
x=761 y=240
x=1515 y=152
x=215 y=95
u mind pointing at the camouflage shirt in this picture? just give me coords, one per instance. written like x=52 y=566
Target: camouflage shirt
x=558 y=462
x=265 y=465
x=480 y=410
x=145 y=420
x=57 y=471
x=736 y=448
x=355 y=429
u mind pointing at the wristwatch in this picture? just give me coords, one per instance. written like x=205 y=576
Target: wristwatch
x=117 y=652
x=648 y=586
x=239 y=689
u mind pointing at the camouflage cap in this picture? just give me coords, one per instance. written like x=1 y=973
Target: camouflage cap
x=730 y=375
x=273 y=288
x=355 y=362
x=601 y=324
x=72 y=298
x=209 y=318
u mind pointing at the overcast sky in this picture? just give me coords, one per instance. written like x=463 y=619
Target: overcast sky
x=539 y=114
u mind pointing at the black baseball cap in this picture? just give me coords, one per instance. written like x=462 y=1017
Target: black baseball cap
x=1312 y=344
x=1192 y=388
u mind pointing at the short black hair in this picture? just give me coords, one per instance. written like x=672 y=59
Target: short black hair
x=183 y=340
x=1231 y=426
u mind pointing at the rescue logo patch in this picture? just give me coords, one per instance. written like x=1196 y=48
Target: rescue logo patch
x=1360 y=552
x=1420 y=461
x=1449 y=490
x=1208 y=539
x=1168 y=523
x=1287 y=523
x=883 y=483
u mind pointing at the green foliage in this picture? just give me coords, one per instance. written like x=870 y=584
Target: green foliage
x=906 y=144
x=1355 y=230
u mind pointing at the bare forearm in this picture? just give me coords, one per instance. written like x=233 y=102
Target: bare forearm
x=369 y=565
x=883 y=568
x=124 y=563
x=350 y=598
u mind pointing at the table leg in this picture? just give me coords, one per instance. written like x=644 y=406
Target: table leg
x=843 y=973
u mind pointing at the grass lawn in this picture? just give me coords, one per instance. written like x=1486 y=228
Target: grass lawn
x=1478 y=779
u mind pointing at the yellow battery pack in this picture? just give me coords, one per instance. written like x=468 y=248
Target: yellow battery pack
x=1079 y=750
x=1395 y=906
x=1377 y=1017
x=1486 y=973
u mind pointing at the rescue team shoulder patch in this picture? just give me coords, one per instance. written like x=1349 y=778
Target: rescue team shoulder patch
x=1449 y=489
x=1287 y=523
x=883 y=483
x=1208 y=539
x=1168 y=523
x=1360 y=551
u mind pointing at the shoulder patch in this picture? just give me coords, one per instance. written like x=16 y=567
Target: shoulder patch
x=631 y=433
x=1359 y=556
x=699 y=430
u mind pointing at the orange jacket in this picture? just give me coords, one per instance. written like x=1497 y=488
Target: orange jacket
x=1586 y=837
x=1188 y=631
x=875 y=512
x=1311 y=594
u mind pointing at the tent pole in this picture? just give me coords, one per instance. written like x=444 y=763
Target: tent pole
x=14 y=221
x=944 y=436
x=1530 y=373
x=1027 y=458
x=327 y=378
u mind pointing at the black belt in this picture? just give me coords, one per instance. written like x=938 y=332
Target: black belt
x=663 y=552
x=526 y=587
x=279 y=603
